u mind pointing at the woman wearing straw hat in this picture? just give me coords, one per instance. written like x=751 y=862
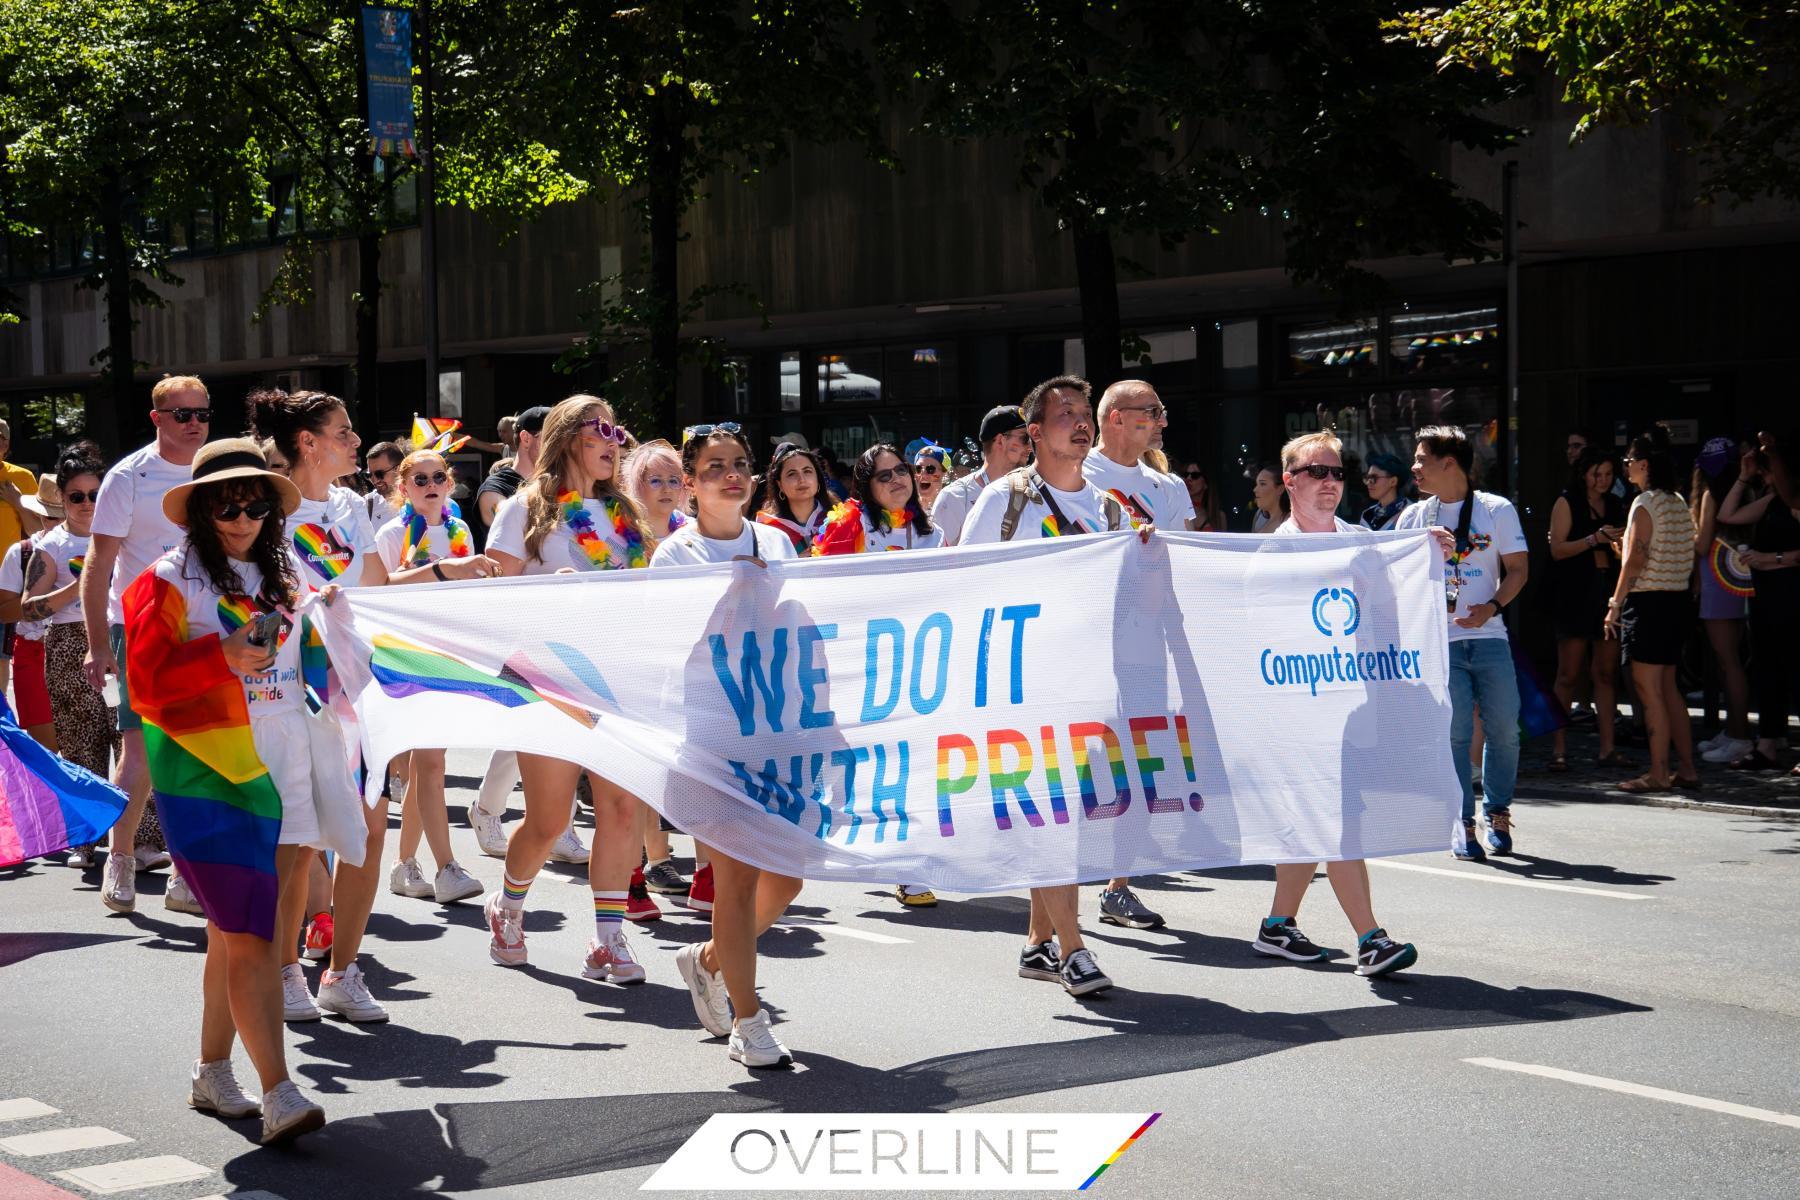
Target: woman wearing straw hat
x=246 y=782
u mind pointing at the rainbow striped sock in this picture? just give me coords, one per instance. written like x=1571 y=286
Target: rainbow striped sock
x=512 y=893
x=609 y=913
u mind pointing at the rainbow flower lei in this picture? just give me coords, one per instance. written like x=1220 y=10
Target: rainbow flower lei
x=415 y=551
x=599 y=553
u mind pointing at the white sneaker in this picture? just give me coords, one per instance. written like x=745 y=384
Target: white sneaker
x=1729 y=750
x=754 y=1043
x=454 y=883
x=1713 y=742
x=407 y=880
x=179 y=897
x=490 y=832
x=568 y=848
x=348 y=996
x=506 y=929
x=612 y=959
x=296 y=1001
x=214 y=1089
x=119 y=889
x=83 y=857
x=149 y=858
x=397 y=788
x=711 y=1004
x=287 y=1113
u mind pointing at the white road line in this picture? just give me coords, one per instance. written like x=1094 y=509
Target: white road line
x=849 y=931
x=24 y=1108
x=1509 y=882
x=60 y=1141
x=257 y=1194
x=1638 y=1089
x=133 y=1173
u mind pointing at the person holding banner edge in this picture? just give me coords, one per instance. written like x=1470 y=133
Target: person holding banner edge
x=1312 y=470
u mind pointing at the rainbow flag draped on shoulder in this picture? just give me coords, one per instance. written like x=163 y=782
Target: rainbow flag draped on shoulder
x=220 y=811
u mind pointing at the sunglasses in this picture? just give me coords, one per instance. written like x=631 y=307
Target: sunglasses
x=1375 y=477
x=1196 y=474
x=422 y=479
x=700 y=431
x=1321 y=471
x=929 y=468
x=81 y=497
x=256 y=510
x=892 y=473
x=606 y=429
x=380 y=472
x=184 y=415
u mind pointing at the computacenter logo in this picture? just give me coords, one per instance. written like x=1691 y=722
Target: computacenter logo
x=1336 y=600
x=904 y=1152
x=1337 y=613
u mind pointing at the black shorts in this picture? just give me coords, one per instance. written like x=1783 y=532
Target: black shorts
x=1653 y=627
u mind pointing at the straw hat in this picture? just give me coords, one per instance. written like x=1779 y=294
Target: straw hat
x=48 y=501
x=230 y=458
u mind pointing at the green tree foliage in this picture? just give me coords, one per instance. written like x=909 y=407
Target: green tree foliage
x=1727 y=71
x=1164 y=117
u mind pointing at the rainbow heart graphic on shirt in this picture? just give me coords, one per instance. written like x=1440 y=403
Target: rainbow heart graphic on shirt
x=235 y=612
x=75 y=565
x=320 y=549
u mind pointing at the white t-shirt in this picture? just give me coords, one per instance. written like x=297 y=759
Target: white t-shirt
x=1339 y=525
x=1147 y=495
x=390 y=542
x=1494 y=530
x=902 y=537
x=330 y=538
x=380 y=509
x=130 y=507
x=686 y=547
x=12 y=579
x=67 y=552
x=1084 y=510
x=954 y=502
x=560 y=548
x=279 y=688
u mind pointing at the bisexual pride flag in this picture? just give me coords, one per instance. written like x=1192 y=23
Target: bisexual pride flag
x=47 y=803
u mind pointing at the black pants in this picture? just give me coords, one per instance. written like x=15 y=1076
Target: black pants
x=1775 y=660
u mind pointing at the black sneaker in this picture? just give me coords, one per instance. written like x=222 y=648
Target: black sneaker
x=1286 y=941
x=1082 y=975
x=1382 y=954
x=1040 y=962
x=1122 y=907
x=663 y=879
x=1466 y=842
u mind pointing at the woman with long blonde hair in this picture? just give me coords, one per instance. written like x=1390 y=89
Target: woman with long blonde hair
x=572 y=517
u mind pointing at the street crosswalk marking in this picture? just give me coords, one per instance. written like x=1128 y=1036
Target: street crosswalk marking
x=1639 y=1089
x=128 y=1175
x=257 y=1194
x=61 y=1141
x=23 y=1108
x=849 y=931
x=1476 y=877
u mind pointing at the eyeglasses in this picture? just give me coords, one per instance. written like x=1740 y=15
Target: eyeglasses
x=700 y=431
x=1155 y=412
x=81 y=497
x=661 y=484
x=892 y=473
x=929 y=468
x=1320 y=471
x=184 y=415
x=606 y=429
x=421 y=479
x=256 y=510
x=1195 y=474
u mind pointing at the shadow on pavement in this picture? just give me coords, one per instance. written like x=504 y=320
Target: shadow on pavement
x=472 y=1146
x=1530 y=866
x=17 y=947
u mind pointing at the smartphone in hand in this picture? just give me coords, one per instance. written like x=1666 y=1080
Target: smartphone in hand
x=267 y=629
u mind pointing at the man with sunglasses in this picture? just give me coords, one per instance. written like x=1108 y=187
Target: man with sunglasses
x=1004 y=447
x=130 y=533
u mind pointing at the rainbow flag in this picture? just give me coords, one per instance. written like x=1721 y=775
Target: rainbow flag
x=219 y=809
x=437 y=433
x=47 y=803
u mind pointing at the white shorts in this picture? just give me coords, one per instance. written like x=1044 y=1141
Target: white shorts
x=283 y=745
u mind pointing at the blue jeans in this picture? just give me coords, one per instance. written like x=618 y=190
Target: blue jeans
x=1481 y=673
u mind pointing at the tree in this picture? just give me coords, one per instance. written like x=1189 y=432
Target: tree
x=1727 y=71
x=109 y=116
x=1163 y=117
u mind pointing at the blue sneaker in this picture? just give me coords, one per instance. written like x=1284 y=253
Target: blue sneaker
x=1499 y=837
x=1466 y=844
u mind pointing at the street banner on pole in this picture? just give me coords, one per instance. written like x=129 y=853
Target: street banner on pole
x=387 y=51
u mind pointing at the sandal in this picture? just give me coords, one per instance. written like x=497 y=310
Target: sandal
x=1688 y=785
x=1641 y=785
x=1616 y=759
x=1559 y=764
x=1756 y=760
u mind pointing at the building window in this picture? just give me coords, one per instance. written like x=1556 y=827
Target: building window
x=1330 y=350
x=850 y=376
x=791 y=398
x=1385 y=420
x=1459 y=339
x=1239 y=365
x=915 y=372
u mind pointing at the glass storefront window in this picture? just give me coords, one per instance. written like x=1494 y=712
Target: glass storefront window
x=790 y=381
x=920 y=372
x=1331 y=350
x=1460 y=338
x=850 y=376
x=1238 y=358
x=1384 y=421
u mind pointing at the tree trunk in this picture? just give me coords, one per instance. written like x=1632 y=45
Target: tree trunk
x=666 y=153
x=104 y=418
x=1097 y=278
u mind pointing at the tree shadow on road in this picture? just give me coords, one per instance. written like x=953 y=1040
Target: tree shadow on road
x=17 y=947
x=1531 y=866
x=512 y=1143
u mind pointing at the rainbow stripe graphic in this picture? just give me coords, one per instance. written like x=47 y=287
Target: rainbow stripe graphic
x=404 y=669
x=235 y=612
x=1119 y=1153
x=1729 y=571
x=219 y=808
x=75 y=565
x=320 y=549
x=1049 y=528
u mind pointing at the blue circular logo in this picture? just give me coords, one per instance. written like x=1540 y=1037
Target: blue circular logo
x=1339 y=603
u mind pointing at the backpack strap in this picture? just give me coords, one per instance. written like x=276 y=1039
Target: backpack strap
x=1018 y=494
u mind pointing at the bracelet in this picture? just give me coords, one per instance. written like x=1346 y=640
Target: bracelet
x=1590 y=541
x=438 y=570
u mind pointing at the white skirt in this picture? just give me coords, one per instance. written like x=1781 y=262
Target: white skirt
x=305 y=760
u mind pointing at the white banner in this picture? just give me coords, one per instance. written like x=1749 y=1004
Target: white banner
x=978 y=719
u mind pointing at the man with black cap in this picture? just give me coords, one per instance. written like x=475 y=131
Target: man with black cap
x=528 y=426
x=1004 y=447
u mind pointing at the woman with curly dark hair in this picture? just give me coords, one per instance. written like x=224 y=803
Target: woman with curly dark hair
x=884 y=511
x=794 y=496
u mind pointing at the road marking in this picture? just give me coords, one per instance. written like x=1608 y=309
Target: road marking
x=133 y=1173
x=257 y=1194
x=24 y=1108
x=1524 y=883
x=849 y=931
x=60 y=1141
x=1638 y=1089
x=16 y=1185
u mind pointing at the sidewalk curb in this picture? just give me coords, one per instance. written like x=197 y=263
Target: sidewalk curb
x=1610 y=796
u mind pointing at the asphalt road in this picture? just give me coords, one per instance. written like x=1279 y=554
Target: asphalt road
x=1627 y=950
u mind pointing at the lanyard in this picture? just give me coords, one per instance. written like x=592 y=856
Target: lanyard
x=1063 y=524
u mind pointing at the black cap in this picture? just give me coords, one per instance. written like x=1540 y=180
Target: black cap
x=532 y=420
x=1001 y=419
